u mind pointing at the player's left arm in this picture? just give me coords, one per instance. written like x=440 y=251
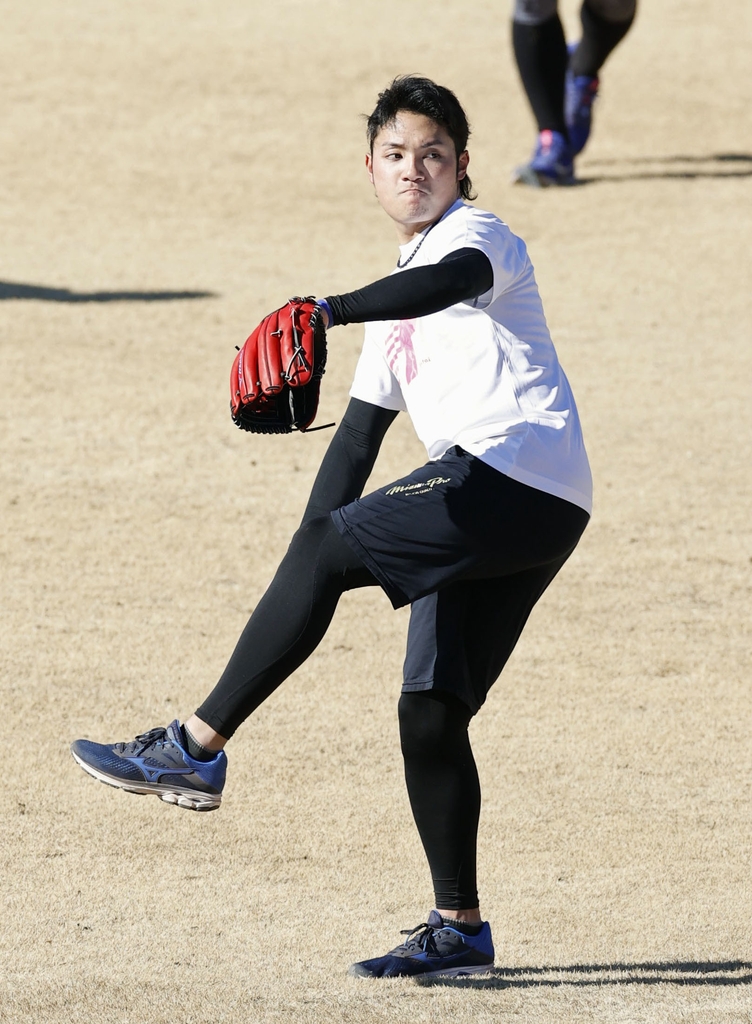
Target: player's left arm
x=460 y=276
x=350 y=457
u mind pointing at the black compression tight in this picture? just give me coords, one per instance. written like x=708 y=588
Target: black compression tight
x=288 y=624
x=442 y=783
x=286 y=627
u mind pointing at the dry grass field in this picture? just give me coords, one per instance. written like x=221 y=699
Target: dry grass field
x=169 y=172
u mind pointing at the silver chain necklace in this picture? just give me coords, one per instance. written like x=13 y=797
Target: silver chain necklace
x=412 y=254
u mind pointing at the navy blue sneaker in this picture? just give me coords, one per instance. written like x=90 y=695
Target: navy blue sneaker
x=158 y=763
x=579 y=96
x=435 y=949
x=550 y=164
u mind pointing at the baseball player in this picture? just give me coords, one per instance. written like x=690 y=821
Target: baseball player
x=456 y=337
x=562 y=83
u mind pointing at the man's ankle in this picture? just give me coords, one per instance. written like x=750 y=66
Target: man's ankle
x=195 y=749
x=460 y=925
x=204 y=735
x=469 y=916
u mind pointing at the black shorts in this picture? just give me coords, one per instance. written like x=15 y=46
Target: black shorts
x=472 y=551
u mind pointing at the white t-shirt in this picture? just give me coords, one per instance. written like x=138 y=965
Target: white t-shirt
x=483 y=374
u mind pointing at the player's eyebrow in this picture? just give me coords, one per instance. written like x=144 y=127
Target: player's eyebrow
x=399 y=144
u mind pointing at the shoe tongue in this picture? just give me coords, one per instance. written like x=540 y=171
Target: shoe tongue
x=435 y=920
x=174 y=733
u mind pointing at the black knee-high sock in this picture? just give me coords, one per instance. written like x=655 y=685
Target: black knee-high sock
x=442 y=783
x=599 y=38
x=288 y=624
x=541 y=55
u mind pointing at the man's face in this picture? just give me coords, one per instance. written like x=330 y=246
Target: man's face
x=415 y=171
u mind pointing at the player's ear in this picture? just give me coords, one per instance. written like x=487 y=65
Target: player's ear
x=369 y=166
x=462 y=161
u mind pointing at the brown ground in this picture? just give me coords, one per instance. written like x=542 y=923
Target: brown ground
x=150 y=148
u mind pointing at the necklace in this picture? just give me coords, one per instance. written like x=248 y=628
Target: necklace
x=412 y=254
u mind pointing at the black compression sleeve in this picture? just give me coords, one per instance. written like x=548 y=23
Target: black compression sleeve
x=349 y=458
x=462 y=275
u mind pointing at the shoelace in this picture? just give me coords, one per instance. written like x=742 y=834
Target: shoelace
x=146 y=739
x=424 y=939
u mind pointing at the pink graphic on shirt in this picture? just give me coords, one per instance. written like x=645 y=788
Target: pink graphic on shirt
x=399 y=350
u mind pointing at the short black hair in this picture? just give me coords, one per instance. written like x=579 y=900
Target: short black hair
x=422 y=96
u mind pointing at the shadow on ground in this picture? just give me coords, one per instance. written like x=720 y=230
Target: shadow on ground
x=715 y=165
x=727 y=972
x=13 y=290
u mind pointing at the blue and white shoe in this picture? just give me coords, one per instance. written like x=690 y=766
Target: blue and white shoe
x=434 y=949
x=550 y=164
x=157 y=763
x=580 y=92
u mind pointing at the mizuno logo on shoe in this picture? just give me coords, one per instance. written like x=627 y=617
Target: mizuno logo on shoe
x=151 y=774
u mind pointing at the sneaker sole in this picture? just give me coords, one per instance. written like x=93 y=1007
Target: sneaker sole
x=450 y=972
x=188 y=799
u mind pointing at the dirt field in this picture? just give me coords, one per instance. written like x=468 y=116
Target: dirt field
x=171 y=171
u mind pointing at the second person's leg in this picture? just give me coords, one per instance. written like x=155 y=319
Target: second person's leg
x=540 y=50
x=604 y=25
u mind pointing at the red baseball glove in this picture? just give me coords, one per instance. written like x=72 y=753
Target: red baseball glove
x=276 y=377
